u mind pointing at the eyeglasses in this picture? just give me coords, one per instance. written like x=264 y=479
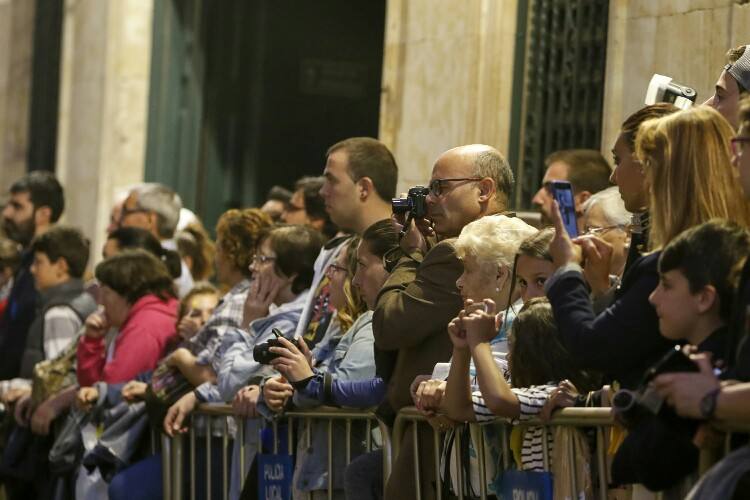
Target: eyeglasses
x=597 y=231
x=332 y=269
x=262 y=259
x=436 y=185
x=738 y=145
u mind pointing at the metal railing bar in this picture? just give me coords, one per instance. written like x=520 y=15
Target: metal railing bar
x=415 y=438
x=330 y=458
x=192 y=458
x=166 y=465
x=208 y=457
x=348 y=441
x=436 y=446
x=482 y=465
x=224 y=464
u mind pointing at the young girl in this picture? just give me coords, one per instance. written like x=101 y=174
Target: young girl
x=537 y=361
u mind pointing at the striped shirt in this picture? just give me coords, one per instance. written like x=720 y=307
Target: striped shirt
x=532 y=400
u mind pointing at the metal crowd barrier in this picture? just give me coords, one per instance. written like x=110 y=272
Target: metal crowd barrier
x=173 y=454
x=599 y=418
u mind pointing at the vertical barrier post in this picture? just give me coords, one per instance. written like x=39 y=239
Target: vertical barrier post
x=208 y=457
x=330 y=459
x=290 y=436
x=192 y=458
x=417 y=479
x=482 y=465
x=545 y=451
x=224 y=464
x=457 y=438
x=177 y=467
x=436 y=445
x=241 y=437
x=348 y=441
x=601 y=458
x=166 y=466
x=572 y=468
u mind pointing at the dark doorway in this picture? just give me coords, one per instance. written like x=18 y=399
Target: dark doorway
x=248 y=94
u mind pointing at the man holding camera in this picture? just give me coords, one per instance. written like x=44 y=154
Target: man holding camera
x=420 y=297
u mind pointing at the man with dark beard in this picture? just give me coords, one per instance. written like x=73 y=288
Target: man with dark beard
x=36 y=202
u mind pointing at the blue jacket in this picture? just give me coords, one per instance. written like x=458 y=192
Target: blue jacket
x=348 y=357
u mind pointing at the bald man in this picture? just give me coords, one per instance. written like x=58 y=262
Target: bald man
x=420 y=297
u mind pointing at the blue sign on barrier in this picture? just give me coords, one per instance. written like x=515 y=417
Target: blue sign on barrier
x=524 y=485
x=275 y=477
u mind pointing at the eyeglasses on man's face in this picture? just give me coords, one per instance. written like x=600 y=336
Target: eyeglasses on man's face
x=438 y=187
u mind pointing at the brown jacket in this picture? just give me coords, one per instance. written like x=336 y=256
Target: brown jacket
x=412 y=314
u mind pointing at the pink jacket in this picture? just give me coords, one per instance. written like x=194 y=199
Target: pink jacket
x=139 y=344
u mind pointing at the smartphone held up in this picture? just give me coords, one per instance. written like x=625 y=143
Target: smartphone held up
x=562 y=191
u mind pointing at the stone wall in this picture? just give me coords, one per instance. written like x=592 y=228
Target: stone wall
x=16 y=42
x=106 y=63
x=447 y=79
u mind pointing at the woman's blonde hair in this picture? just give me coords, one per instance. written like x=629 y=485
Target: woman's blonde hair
x=688 y=167
x=493 y=240
x=355 y=304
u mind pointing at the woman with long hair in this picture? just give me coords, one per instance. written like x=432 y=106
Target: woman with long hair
x=686 y=161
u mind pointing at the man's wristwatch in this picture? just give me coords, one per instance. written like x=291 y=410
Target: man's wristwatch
x=708 y=403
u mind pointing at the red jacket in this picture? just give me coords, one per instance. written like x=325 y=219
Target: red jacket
x=140 y=343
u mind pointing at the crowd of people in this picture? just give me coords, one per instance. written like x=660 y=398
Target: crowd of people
x=468 y=311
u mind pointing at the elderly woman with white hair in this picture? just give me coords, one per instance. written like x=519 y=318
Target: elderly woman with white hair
x=487 y=247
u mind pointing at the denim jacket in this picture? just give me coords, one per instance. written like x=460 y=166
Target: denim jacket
x=348 y=357
x=238 y=369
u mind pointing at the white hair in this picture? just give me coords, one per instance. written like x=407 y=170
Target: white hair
x=493 y=239
x=611 y=204
x=164 y=202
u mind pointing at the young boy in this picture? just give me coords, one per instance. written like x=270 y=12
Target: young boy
x=60 y=258
x=699 y=271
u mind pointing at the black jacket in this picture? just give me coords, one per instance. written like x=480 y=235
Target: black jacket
x=624 y=340
x=15 y=323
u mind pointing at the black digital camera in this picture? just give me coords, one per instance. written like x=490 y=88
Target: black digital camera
x=262 y=353
x=415 y=203
x=631 y=406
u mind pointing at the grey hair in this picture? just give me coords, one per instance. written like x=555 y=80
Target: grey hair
x=492 y=164
x=164 y=202
x=612 y=206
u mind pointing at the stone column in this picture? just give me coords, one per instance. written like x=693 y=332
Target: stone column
x=686 y=40
x=16 y=45
x=447 y=79
x=105 y=80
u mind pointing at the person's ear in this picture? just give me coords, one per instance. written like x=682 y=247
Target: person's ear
x=61 y=267
x=580 y=199
x=42 y=216
x=365 y=188
x=153 y=222
x=487 y=189
x=502 y=277
x=706 y=298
